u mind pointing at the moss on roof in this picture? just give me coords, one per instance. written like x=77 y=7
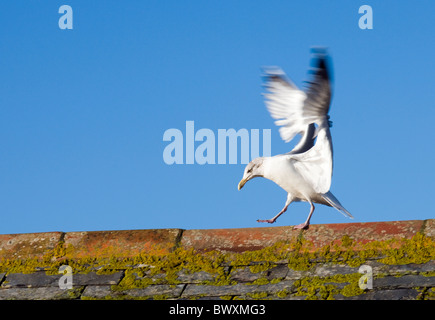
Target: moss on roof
x=156 y=268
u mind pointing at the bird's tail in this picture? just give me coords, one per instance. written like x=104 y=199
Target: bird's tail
x=332 y=200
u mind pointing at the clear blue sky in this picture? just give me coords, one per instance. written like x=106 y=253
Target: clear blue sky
x=83 y=111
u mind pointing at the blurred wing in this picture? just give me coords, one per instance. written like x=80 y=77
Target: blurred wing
x=315 y=165
x=285 y=103
x=318 y=91
x=295 y=109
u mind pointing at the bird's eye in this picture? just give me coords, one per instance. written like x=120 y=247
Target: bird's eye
x=250 y=170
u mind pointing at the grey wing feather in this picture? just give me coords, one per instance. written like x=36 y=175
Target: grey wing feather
x=307 y=140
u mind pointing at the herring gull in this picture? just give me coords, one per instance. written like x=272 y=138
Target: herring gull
x=305 y=172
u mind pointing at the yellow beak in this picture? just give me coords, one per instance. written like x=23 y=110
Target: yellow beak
x=242 y=183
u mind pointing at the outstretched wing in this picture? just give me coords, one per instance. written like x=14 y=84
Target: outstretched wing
x=285 y=103
x=295 y=109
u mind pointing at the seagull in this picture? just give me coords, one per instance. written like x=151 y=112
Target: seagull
x=305 y=172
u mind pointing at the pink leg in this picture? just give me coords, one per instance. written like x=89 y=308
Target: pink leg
x=306 y=224
x=275 y=217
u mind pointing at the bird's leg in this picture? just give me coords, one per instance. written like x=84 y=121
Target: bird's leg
x=306 y=224
x=289 y=200
x=275 y=217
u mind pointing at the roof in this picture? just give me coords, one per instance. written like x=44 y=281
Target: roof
x=394 y=260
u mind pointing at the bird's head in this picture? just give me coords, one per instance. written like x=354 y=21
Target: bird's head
x=253 y=169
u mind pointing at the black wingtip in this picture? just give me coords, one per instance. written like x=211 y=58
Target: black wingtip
x=319 y=50
x=321 y=61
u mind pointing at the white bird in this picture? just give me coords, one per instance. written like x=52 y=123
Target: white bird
x=306 y=171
